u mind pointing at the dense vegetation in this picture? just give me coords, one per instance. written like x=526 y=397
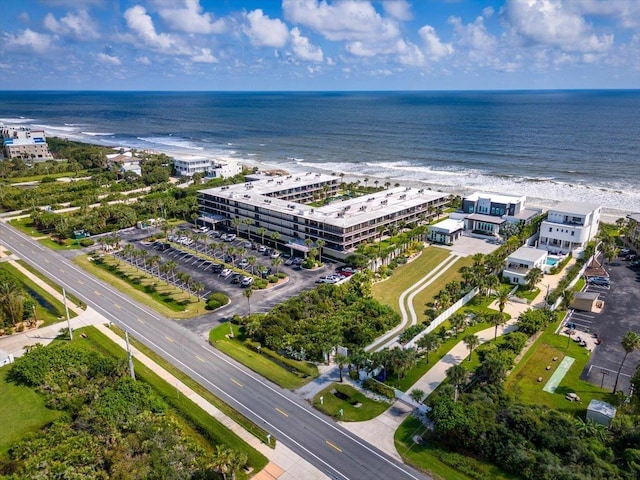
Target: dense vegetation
x=310 y=325
x=16 y=303
x=114 y=427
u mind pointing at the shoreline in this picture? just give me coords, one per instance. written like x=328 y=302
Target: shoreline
x=610 y=213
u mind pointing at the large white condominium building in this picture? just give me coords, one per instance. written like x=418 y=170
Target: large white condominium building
x=187 y=166
x=25 y=143
x=278 y=204
x=569 y=227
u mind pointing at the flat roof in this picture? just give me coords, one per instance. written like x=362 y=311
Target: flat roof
x=576 y=208
x=526 y=214
x=341 y=214
x=634 y=216
x=495 y=197
x=586 y=296
x=529 y=254
x=486 y=218
x=449 y=225
x=602 y=407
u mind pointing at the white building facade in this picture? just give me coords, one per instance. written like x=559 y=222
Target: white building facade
x=25 y=143
x=569 y=227
x=521 y=262
x=278 y=205
x=188 y=166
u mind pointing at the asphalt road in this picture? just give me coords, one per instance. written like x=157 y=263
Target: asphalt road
x=335 y=451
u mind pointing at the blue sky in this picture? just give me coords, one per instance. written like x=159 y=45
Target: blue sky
x=319 y=44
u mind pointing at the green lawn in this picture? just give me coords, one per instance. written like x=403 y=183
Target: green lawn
x=164 y=298
x=68 y=244
x=48 y=309
x=240 y=419
x=529 y=295
x=25 y=225
x=202 y=425
x=37 y=178
x=523 y=380
x=331 y=404
x=428 y=458
x=70 y=296
x=388 y=291
x=269 y=366
x=22 y=411
x=427 y=295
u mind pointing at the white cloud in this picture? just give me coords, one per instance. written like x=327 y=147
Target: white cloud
x=352 y=20
x=28 y=40
x=409 y=53
x=264 y=31
x=434 y=47
x=204 y=56
x=474 y=40
x=400 y=9
x=303 y=48
x=71 y=3
x=141 y=24
x=24 y=17
x=191 y=18
x=554 y=23
x=110 y=59
x=627 y=12
x=79 y=25
x=144 y=60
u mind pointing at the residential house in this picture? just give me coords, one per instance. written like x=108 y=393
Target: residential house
x=569 y=227
x=521 y=262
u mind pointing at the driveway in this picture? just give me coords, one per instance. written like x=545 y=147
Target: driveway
x=619 y=316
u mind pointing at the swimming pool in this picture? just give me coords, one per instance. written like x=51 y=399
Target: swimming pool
x=551 y=261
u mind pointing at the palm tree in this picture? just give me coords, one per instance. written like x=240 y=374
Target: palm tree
x=319 y=244
x=154 y=260
x=502 y=296
x=171 y=269
x=495 y=319
x=568 y=296
x=457 y=322
x=471 y=341
x=275 y=236
x=341 y=361
x=417 y=395
x=429 y=343
x=236 y=222
x=533 y=277
x=261 y=231
x=251 y=261
x=11 y=301
x=198 y=287
x=457 y=375
x=276 y=262
x=248 y=293
x=248 y=222
x=143 y=254
x=630 y=343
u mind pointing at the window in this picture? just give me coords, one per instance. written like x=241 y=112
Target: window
x=572 y=233
x=551 y=229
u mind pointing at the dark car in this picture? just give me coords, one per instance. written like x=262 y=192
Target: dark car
x=216 y=268
x=236 y=278
x=265 y=272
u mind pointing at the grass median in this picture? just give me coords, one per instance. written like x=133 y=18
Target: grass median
x=70 y=296
x=355 y=406
x=191 y=415
x=282 y=371
x=164 y=298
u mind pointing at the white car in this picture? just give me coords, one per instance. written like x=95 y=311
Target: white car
x=225 y=272
x=230 y=237
x=246 y=281
x=262 y=249
x=275 y=254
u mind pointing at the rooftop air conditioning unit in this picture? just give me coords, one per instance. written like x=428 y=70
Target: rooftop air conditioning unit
x=421 y=190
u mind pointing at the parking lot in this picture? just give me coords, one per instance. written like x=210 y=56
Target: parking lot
x=619 y=316
x=233 y=253
x=589 y=322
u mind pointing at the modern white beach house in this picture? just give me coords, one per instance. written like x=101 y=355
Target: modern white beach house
x=521 y=262
x=486 y=213
x=186 y=166
x=569 y=227
x=279 y=205
x=25 y=143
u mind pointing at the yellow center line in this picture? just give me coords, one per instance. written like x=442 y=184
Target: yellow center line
x=96 y=292
x=169 y=338
x=62 y=270
x=200 y=358
x=333 y=446
x=80 y=282
x=236 y=382
x=140 y=320
x=281 y=412
x=46 y=260
x=117 y=306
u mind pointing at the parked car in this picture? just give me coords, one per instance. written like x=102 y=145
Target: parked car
x=216 y=268
x=247 y=245
x=289 y=261
x=230 y=237
x=262 y=249
x=246 y=281
x=599 y=281
x=265 y=272
x=225 y=273
x=236 y=278
x=203 y=229
x=243 y=263
x=275 y=254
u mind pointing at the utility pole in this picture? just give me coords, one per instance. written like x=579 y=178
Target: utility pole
x=126 y=337
x=66 y=309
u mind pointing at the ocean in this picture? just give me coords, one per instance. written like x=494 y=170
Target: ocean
x=548 y=145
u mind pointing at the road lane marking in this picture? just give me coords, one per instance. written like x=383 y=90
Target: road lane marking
x=97 y=293
x=333 y=446
x=80 y=281
x=236 y=382
x=46 y=261
x=140 y=320
x=117 y=306
x=200 y=359
x=170 y=339
x=282 y=412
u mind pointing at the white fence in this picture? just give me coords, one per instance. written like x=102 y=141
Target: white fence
x=442 y=317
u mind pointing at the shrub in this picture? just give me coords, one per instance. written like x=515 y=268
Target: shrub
x=86 y=242
x=411 y=332
x=272 y=279
x=216 y=300
x=379 y=388
x=260 y=283
x=281 y=275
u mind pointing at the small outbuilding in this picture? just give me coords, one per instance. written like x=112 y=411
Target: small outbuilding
x=587 y=302
x=446 y=231
x=601 y=412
